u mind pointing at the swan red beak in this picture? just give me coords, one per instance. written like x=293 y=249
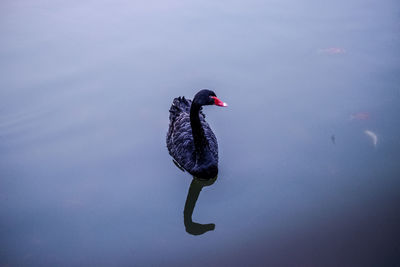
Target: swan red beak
x=219 y=102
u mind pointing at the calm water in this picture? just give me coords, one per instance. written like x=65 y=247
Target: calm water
x=85 y=176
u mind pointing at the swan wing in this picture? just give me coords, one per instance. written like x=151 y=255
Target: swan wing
x=180 y=141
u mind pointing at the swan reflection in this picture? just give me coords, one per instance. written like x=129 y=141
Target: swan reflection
x=191 y=199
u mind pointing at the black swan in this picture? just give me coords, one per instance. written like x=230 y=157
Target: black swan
x=190 y=140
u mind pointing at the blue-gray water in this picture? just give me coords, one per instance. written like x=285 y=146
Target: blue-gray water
x=85 y=176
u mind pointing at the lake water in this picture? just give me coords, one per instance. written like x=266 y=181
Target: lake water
x=85 y=176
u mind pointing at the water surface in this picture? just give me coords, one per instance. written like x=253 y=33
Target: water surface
x=85 y=176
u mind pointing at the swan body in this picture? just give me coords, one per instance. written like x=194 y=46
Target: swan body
x=190 y=140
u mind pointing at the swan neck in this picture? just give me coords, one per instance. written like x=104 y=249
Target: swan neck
x=200 y=142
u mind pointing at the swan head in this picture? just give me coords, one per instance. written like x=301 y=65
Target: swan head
x=207 y=97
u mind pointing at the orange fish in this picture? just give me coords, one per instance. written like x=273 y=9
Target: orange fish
x=332 y=51
x=361 y=116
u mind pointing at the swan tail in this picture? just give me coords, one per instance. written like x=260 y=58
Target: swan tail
x=179 y=105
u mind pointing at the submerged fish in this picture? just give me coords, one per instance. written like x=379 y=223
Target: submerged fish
x=332 y=51
x=373 y=136
x=333 y=138
x=360 y=116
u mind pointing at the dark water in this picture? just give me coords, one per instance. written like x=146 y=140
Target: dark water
x=86 y=179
